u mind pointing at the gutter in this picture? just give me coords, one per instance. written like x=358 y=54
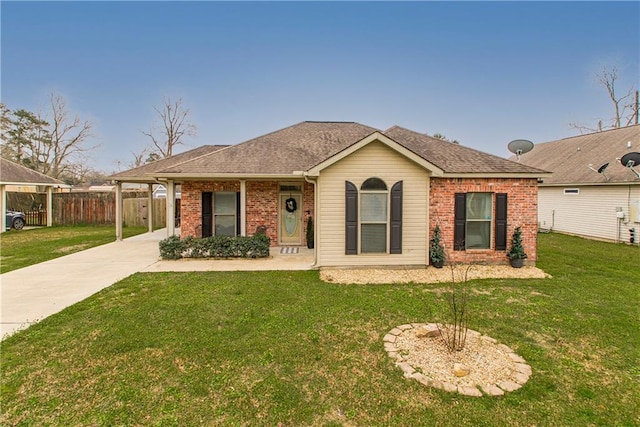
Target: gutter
x=305 y=175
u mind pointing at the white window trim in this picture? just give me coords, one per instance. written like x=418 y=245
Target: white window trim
x=490 y=221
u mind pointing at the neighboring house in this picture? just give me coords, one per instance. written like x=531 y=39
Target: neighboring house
x=375 y=196
x=576 y=198
x=160 y=192
x=15 y=177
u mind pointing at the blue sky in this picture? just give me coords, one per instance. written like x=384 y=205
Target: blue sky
x=484 y=73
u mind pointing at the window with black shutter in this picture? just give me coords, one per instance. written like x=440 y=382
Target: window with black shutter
x=351 y=219
x=473 y=214
x=396 y=218
x=501 y=222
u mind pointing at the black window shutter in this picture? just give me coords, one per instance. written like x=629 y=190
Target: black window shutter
x=207 y=217
x=396 y=218
x=501 y=222
x=351 y=219
x=460 y=219
x=237 y=213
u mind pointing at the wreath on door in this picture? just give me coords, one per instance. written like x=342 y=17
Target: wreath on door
x=291 y=205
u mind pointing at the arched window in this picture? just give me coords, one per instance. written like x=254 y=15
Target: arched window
x=367 y=223
x=374 y=218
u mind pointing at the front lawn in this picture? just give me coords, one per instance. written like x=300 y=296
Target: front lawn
x=27 y=247
x=284 y=348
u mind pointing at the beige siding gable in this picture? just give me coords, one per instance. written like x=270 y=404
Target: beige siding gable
x=380 y=161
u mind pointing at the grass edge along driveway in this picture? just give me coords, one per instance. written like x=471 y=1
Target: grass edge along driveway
x=284 y=348
x=23 y=248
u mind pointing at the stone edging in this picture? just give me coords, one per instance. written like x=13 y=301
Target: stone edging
x=520 y=376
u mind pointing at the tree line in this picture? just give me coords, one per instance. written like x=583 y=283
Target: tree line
x=58 y=144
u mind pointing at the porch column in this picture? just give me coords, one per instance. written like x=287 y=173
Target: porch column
x=119 y=211
x=243 y=207
x=150 y=207
x=49 y=206
x=171 y=208
x=3 y=207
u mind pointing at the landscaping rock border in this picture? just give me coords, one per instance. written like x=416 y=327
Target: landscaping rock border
x=490 y=368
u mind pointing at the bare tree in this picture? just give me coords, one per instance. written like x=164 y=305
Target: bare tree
x=51 y=146
x=624 y=107
x=174 y=126
x=68 y=136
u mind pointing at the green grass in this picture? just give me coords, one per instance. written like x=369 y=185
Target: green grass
x=284 y=348
x=22 y=248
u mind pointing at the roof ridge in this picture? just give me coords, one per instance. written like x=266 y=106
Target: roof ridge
x=594 y=133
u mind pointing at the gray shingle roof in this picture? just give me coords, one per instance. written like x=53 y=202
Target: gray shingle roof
x=569 y=158
x=307 y=144
x=140 y=172
x=295 y=148
x=455 y=158
x=14 y=173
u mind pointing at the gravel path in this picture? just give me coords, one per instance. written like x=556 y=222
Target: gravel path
x=430 y=274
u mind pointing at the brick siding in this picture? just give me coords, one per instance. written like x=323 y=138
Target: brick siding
x=522 y=210
x=261 y=205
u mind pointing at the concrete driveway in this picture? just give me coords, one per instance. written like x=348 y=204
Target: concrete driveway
x=32 y=293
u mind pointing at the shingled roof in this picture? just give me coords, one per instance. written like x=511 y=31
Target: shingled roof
x=455 y=158
x=142 y=173
x=305 y=145
x=13 y=173
x=569 y=159
x=295 y=148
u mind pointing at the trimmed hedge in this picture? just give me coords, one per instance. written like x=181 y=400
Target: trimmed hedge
x=215 y=247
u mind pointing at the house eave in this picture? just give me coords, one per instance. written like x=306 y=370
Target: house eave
x=40 y=184
x=496 y=175
x=588 y=184
x=224 y=176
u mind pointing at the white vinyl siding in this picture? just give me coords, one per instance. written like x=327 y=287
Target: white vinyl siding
x=373 y=160
x=591 y=213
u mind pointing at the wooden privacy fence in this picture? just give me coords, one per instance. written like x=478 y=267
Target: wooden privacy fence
x=93 y=208
x=100 y=209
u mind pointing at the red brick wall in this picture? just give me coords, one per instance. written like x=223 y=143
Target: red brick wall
x=262 y=208
x=262 y=205
x=191 y=203
x=522 y=210
x=308 y=201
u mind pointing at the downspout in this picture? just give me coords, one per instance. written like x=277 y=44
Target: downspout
x=315 y=221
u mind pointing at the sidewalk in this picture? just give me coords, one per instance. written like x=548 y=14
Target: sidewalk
x=30 y=294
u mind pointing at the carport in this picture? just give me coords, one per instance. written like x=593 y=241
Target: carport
x=145 y=174
x=15 y=177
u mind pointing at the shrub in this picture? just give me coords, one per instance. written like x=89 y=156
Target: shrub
x=171 y=248
x=517 y=249
x=436 y=250
x=215 y=247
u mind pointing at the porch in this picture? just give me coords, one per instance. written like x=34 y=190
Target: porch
x=280 y=258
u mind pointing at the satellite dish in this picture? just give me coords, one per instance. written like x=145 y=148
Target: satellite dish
x=519 y=147
x=603 y=167
x=630 y=160
x=601 y=170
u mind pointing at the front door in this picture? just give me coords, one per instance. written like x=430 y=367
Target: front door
x=290 y=222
